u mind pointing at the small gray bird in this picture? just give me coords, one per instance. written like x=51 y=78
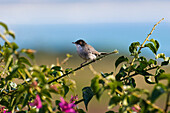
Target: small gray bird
x=86 y=52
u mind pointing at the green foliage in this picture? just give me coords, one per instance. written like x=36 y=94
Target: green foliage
x=46 y=81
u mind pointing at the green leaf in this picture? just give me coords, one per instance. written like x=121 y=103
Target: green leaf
x=24 y=60
x=87 y=95
x=68 y=70
x=114 y=101
x=11 y=34
x=81 y=111
x=132 y=100
x=133 y=47
x=46 y=93
x=112 y=86
x=121 y=73
x=4 y=25
x=95 y=84
x=132 y=82
x=159 y=89
x=14 y=46
x=57 y=68
x=160 y=55
x=66 y=89
x=152 y=62
x=164 y=63
x=120 y=60
x=151 y=47
x=57 y=102
x=156 y=43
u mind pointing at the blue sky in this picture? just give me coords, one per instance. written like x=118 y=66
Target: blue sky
x=83 y=11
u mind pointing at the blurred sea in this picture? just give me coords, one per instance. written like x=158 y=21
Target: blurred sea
x=104 y=37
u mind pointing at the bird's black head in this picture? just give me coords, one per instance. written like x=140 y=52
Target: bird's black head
x=80 y=42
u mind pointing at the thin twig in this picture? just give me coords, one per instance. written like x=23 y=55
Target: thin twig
x=115 y=51
x=77 y=102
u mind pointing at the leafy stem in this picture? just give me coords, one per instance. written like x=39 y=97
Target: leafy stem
x=146 y=40
x=138 y=73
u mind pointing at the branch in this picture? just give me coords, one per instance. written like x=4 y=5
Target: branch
x=77 y=102
x=146 y=39
x=139 y=73
x=114 y=52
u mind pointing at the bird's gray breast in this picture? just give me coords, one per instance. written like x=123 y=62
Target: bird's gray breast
x=85 y=53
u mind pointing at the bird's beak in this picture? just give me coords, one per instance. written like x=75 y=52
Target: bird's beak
x=73 y=42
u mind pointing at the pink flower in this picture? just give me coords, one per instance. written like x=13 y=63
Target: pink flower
x=73 y=99
x=136 y=108
x=68 y=107
x=3 y=110
x=34 y=84
x=54 y=88
x=37 y=102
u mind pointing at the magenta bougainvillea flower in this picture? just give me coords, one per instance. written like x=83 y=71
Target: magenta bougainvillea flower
x=73 y=99
x=136 y=108
x=37 y=102
x=3 y=110
x=68 y=107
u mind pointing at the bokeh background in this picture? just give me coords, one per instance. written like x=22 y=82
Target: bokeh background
x=49 y=27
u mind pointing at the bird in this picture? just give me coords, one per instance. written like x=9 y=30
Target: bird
x=86 y=51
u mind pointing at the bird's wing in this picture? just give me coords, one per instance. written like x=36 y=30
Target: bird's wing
x=92 y=50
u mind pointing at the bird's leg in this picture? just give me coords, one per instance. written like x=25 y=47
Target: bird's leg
x=83 y=63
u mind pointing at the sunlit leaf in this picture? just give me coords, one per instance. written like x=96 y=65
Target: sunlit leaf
x=160 y=55
x=151 y=47
x=14 y=46
x=152 y=62
x=133 y=100
x=10 y=33
x=24 y=60
x=156 y=43
x=4 y=25
x=95 y=84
